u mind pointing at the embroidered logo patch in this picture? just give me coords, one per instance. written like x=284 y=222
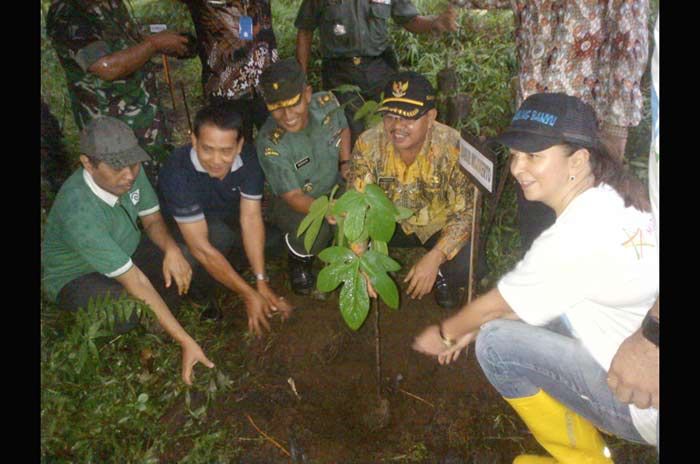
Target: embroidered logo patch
x=301 y=163
x=399 y=89
x=134 y=196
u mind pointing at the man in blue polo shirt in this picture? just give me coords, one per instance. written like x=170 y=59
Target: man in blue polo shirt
x=213 y=189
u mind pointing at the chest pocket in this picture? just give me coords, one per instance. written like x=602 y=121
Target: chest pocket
x=380 y=11
x=431 y=187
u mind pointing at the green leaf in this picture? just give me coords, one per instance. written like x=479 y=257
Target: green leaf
x=312 y=233
x=373 y=264
x=376 y=198
x=354 y=300
x=404 y=213
x=355 y=221
x=370 y=106
x=346 y=88
x=380 y=247
x=380 y=225
x=143 y=397
x=332 y=275
x=381 y=260
x=317 y=209
x=346 y=200
x=336 y=253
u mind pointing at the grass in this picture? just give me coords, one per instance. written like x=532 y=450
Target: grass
x=117 y=404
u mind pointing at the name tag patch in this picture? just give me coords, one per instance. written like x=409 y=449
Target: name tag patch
x=339 y=29
x=386 y=181
x=301 y=163
x=382 y=2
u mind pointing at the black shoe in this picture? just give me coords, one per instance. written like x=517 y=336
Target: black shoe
x=300 y=275
x=446 y=295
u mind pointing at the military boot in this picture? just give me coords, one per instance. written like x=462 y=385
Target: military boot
x=300 y=274
x=446 y=295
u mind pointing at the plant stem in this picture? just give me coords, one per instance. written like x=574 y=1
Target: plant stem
x=378 y=351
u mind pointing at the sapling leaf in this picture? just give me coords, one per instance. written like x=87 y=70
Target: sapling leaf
x=332 y=275
x=381 y=260
x=336 y=253
x=380 y=247
x=346 y=88
x=380 y=225
x=354 y=300
x=312 y=233
x=354 y=221
x=382 y=283
x=345 y=202
x=317 y=209
x=376 y=198
x=404 y=213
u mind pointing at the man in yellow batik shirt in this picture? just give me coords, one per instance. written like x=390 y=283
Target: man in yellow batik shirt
x=415 y=160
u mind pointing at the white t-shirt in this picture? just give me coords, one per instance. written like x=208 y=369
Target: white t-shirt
x=597 y=265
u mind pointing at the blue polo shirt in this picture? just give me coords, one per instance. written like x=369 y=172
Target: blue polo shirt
x=188 y=194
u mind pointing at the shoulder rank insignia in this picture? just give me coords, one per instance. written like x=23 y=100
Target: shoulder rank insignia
x=276 y=135
x=324 y=99
x=270 y=152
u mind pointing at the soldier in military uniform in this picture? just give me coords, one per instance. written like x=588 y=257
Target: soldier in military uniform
x=304 y=150
x=355 y=43
x=415 y=160
x=106 y=61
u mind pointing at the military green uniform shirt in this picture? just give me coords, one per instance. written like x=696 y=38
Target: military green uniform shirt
x=83 y=32
x=353 y=27
x=308 y=159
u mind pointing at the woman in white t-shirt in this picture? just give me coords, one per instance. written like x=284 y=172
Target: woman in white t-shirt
x=595 y=269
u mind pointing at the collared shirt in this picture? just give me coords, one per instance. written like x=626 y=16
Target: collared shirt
x=308 y=159
x=91 y=230
x=433 y=186
x=84 y=32
x=188 y=193
x=353 y=27
x=596 y=51
x=231 y=66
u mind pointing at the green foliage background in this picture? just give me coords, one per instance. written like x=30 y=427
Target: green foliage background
x=110 y=407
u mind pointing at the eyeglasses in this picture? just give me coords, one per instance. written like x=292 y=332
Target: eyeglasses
x=391 y=119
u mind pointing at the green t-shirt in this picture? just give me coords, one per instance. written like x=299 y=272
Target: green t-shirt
x=90 y=230
x=308 y=159
x=353 y=27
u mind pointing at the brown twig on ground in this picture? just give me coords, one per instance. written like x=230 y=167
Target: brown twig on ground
x=268 y=438
x=416 y=397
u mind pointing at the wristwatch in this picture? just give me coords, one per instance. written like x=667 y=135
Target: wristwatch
x=650 y=329
x=262 y=277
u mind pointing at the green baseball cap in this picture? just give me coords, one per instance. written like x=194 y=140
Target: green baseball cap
x=112 y=141
x=282 y=84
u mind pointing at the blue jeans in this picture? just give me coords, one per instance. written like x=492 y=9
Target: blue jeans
x=520 y=359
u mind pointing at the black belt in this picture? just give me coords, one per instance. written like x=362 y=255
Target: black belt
x=356 y=60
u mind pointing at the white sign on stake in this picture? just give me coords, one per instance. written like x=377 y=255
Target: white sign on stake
x=476 y=164
x=156 y=28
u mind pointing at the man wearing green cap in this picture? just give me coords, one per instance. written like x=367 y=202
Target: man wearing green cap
x=93 y=246
x=355 y=43
x=304 y=150
x=415 y=160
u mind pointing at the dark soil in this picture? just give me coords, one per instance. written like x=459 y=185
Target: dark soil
x=428 y=413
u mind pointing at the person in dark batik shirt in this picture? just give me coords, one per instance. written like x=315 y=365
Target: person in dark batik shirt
x=231 y=64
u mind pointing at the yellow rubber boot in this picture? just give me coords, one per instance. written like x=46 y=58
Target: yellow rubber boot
x=568 y=437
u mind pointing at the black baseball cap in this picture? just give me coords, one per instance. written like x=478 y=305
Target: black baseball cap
x=282 y=84
x=547 y=119
x=408 y=94
x=112 y=141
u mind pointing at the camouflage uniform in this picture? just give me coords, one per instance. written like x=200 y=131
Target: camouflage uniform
x=82 y=33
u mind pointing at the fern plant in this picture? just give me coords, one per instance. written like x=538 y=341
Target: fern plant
x=366 y=222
